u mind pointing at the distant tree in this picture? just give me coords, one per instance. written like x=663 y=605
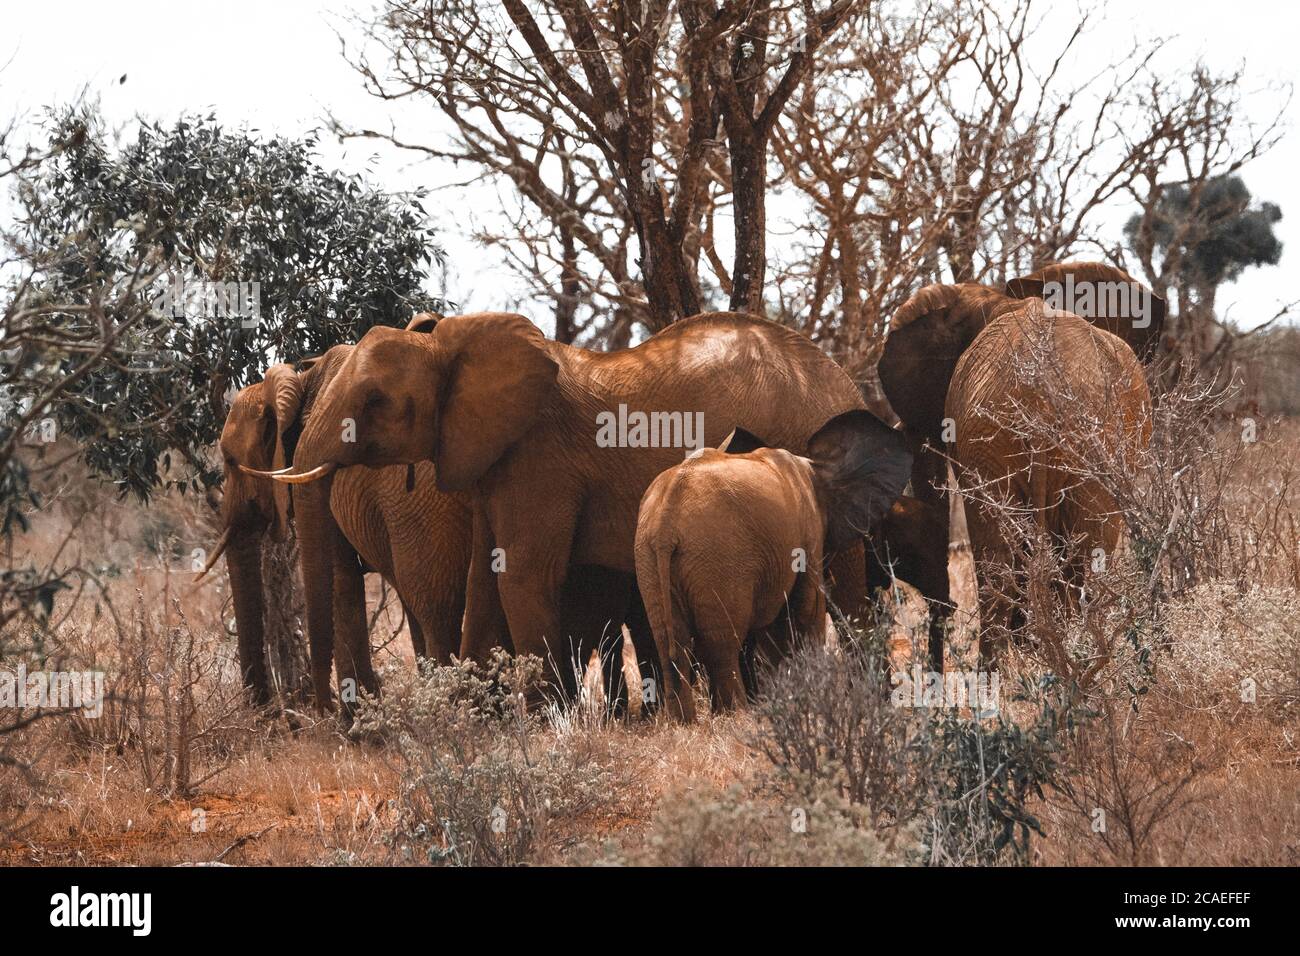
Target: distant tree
x=1214 y=232
x=143 y=283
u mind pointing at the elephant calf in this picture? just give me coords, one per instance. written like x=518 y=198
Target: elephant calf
x=726 y=542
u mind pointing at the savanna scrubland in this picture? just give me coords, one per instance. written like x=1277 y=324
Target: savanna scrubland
x=1189 y=767
x=1148 y=717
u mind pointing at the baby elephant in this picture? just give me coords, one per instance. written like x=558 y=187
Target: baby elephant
x=729 y=546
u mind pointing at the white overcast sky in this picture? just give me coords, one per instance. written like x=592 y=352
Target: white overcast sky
x=275 y=65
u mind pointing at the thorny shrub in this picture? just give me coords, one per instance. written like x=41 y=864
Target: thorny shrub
x=481 y=781
x=963 y=785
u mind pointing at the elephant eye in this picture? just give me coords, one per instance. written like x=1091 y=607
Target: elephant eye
x=375 y=399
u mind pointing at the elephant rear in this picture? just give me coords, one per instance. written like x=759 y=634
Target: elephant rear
x=715 y=560
x=1043 y=405
x=1031 y=377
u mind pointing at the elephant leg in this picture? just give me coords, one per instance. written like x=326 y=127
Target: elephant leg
x=929 y=472
x=807 y=610
x=536 y=550
x=441 y=625
x=485 y=622
x=990 y=555
x=764 y=648
x=673 y=642
x=846 y=572
x=802 y=620
x=940 y=614
x=532 y=607
x=671 y=633
x=721 y=630
x=718 y=650
x=416 y=630
x=931 y=579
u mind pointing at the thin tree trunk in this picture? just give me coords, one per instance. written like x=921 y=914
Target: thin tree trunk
x=749 y=193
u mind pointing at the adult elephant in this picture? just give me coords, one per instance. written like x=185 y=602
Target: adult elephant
x=388 y=520
x=1042 y=403
x=558 y=443
x=931 y=330
x=928 y=336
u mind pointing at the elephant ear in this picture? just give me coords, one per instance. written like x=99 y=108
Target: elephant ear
x=424 y=322
x=927 y=335
x=861 y=466
x=741 y=442
x=1099 y=300
x=284 y=389
x=497 y=377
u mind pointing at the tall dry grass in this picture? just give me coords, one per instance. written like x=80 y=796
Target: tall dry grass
x=1190 y=752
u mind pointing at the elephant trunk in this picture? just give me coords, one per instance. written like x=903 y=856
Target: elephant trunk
x=244 y=564
x=315 y=526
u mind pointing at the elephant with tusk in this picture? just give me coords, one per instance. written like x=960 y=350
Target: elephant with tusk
x=535 y=431
x=398 y=524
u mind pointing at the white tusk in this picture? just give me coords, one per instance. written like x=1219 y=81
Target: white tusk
x=320 y=471
x=216 y=553
x=264 y=474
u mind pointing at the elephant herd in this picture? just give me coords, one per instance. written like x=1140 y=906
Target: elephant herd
x=464 y=460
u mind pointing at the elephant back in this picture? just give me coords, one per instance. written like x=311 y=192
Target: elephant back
x=1104 y=295
x=1037 y=398
x=1033 y=358
x=737 y=370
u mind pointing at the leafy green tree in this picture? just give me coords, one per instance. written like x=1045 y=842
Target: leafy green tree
x=143 y=282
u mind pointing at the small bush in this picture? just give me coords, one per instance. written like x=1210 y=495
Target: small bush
x=1231 y=645
x=703 y=828
x=828 y=724
x=826 y=719
x=481 y=785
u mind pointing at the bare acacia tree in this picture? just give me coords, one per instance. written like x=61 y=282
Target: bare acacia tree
x=853 y=151
x=613 y=121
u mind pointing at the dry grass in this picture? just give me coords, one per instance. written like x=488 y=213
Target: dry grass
x=1208 y=778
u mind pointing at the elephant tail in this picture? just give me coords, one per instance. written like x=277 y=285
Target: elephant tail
x=677 y=639
x=654 y=572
